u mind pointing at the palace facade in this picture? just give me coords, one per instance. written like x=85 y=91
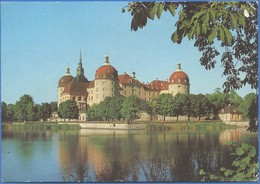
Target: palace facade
x=107 y=82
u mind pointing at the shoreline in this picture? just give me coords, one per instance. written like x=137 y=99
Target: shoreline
x=154 y=125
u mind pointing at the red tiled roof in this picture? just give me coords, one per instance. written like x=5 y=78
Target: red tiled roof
x=77 y=88
x=106 y=71
x=159 y=84
x=179 y=77
x=126 y=79
x=65 y=80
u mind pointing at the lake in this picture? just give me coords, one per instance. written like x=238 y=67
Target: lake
x=116 y=155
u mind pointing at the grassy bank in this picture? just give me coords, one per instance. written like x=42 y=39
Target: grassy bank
x=41 y=126
x=187 y=126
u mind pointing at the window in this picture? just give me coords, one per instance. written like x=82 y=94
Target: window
x=104 y=89
x=96 y=96
x=112 y=89
x=79 y=98
x=179 y=80
x=112 y=82
x=104 y=82
x=104 y=96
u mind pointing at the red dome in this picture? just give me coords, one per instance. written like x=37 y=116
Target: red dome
x=106 y=71
x=179 y=77
x=65 y=80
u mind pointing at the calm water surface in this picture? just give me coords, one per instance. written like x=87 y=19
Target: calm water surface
x=109 y=155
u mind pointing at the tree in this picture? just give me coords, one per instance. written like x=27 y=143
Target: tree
x=163 y=105
x=217 y=101
x=148 y=108
x=234 y=98
x=253 y=115
x=131 y=108
x=24 y=108
x=200 y=106
x=246 y=103
x=187 y=110
x=54 y=106
x=115 y=107
x=4 y=112
x=45 y=111
x=232 y=25
x=178 y=105
x=94 y=112
x=11 y=112
x=68 y=110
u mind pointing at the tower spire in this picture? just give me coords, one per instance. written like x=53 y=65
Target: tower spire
x=80 y=58
x=67 y=70
x=80 y=71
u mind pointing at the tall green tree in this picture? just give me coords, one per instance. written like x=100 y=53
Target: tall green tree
x=131 y=108
x=4 y=112
x=200 y=106
x=234 y=98
x=178 y=104
x=232 y=25
x=11 y=112
x=115 y=106
x=45 y=111
x=147 y=107
x=218 y=101
x=54 y=106
x=187 y=101
x=24 y=108
x=94 y=112
x=246 y=103
x=68 y=110
x=163 y=105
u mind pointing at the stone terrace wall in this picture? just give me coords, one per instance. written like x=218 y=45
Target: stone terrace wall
x=115 y=126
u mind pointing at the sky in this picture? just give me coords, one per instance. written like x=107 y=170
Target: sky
x=39 y=39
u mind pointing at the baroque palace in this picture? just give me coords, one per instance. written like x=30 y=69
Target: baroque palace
x=107 y=82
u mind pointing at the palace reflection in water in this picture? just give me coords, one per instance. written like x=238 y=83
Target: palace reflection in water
x=144 y=156
x=108 y=155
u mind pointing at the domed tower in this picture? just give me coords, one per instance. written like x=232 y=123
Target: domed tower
x=67 y=78
x=106 y=81
x=179 y=82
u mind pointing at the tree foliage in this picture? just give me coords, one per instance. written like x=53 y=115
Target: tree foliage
x=4 y=112
x=131 y=108
x=244 y=167
x=24 y=108
x=45 y=111
x=232 y=25
x=68 y=110
x=200 y=106
x=163 y=105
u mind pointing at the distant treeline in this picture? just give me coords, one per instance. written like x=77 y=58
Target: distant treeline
x=129 y=108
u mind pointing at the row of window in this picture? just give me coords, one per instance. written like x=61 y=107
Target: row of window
x=179 y=80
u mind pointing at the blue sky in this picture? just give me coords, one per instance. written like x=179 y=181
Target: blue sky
x=39 y=39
